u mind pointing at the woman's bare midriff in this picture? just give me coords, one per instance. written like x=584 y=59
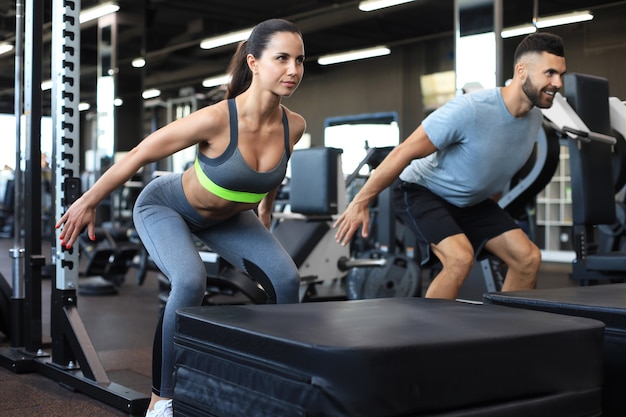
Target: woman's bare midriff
x=207 y=204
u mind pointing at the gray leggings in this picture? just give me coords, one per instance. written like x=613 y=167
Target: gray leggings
x=165 y=222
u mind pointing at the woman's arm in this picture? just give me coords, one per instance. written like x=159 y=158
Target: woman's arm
x=180 y=134
x=266 y=208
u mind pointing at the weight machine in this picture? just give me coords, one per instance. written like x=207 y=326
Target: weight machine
x=376 y=268
x=72 y=359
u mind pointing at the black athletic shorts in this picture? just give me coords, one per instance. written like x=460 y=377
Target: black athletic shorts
x=432 y=219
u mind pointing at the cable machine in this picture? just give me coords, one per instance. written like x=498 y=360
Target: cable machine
x=72 y=360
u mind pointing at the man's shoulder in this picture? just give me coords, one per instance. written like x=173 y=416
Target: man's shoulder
x=488 y=95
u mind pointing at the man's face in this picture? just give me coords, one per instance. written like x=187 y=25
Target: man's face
x=544 y=79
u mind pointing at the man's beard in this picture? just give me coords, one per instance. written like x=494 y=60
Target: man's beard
x=535 y=95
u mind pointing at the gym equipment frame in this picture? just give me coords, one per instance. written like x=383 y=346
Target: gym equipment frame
x=73 y=360
x=587 y=123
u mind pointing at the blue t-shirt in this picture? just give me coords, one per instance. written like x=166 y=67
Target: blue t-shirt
x=480 y=146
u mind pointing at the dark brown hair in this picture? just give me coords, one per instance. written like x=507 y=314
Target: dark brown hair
x=539 y=42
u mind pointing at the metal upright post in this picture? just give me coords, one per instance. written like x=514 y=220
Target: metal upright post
x=17 y=252
x=66 y=148
x=74 y=360
x=26 y=342
x=33 y=52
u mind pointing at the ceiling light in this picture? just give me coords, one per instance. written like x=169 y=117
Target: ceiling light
x=138 y=63
x=370 y=5
x=232 y=37
x=98 y=11
x=46 y=85
x=215 y=81
x=5 y=47
x=548 y=21
x=83 y=106
x=563 y=19
x=151 y=93
x=518 y=31
x=353 y=55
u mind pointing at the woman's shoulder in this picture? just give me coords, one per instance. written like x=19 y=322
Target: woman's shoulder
x=297 y=122
x=215 y=114
x=218 y=109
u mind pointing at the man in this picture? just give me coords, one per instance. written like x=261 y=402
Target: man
x=448 y=170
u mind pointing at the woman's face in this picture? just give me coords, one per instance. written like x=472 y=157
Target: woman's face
x=281 y=65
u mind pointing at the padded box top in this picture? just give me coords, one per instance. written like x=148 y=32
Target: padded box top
x=606 y=303
x=395 y=356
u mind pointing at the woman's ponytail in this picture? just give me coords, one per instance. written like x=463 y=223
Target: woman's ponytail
x=241 y=76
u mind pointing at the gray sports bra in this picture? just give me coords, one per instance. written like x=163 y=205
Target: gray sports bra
x=229 y=176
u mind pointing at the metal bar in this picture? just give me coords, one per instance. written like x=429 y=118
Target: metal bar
x=86 y=353
x=18 y=111
x=497 y=27
x=74 y=360
x=33 y=52
x=65 y=139
x=66 y=128
x=121 y=397
x=17 y=252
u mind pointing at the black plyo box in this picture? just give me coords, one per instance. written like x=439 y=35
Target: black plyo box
x=385 y=358
x=606 y=303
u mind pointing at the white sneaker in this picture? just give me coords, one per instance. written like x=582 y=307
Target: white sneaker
x=162 y=408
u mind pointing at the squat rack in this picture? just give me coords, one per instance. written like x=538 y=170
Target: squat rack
x=72 y=360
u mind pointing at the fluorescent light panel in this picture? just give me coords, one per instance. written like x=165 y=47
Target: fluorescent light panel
x=548 y=21
x=353 y=55
x=151 y=93
x=518 y=31
x=138 y=63
x=98 y=11
x=564 y=19
x=227 y=39
x=370 y=5
x=215 y=81
x=5 y=47
x=46 y=85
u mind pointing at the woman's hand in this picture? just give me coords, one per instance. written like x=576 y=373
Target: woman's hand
x=74 y=220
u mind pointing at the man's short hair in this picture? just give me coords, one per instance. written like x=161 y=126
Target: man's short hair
x=539 y=42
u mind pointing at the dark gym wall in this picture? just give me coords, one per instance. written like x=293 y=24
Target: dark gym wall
x=597 y=47
x=385 y=84
x=391 y=83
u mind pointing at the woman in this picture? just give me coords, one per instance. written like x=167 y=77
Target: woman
x=243 y=145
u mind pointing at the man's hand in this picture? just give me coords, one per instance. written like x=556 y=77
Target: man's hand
x=355 y=216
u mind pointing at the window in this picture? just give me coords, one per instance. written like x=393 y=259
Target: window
x=356 y=134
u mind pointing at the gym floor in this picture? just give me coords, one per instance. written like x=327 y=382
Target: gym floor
x=121 y=328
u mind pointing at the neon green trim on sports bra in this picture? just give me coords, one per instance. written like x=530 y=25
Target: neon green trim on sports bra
x=226 y=194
